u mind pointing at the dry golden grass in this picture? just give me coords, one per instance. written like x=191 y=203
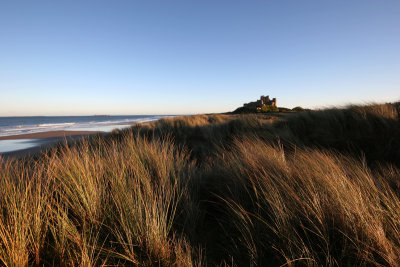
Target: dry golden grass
x=313 y=188
x=321 y=208
x=94 y=204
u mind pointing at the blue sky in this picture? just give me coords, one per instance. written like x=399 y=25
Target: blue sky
x=194 y=56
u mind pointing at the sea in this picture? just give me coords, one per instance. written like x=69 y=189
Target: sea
x=26 y=125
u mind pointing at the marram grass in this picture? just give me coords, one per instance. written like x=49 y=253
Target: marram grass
x=312 y=188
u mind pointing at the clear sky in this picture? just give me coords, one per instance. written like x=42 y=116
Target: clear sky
x=194 y=56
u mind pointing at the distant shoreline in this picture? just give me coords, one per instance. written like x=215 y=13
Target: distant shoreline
x=46 y=140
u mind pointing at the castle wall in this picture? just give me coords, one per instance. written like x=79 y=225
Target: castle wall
x=264 y=100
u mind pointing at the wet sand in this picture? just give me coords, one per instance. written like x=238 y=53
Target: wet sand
x=51 y=134
x=44 y=140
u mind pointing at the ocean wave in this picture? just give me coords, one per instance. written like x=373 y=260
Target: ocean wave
x=56 y=124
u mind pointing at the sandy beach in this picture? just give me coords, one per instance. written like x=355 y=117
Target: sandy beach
x=43 y=140
x=50 y=134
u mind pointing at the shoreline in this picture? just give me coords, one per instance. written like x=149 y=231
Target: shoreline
x=48 y=139
x=48 y=134
x=43 y=140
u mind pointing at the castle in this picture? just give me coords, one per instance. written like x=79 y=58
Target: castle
x=264 y=100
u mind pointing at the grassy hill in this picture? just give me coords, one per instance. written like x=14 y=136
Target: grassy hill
x=307 y=188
